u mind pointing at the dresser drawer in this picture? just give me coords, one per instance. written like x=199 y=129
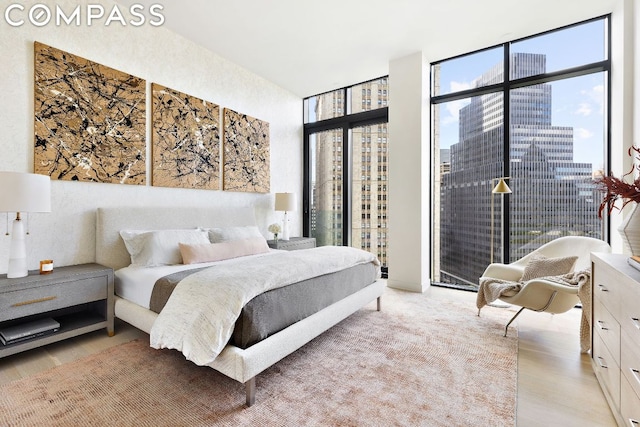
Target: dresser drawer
x=630 y=310
x=629 y=405
x=607 y=370
x=630 y=361
x=606 y=287
x=41 y=299
x=605 y=325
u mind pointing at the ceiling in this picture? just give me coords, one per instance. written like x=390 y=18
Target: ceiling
x=309 y=47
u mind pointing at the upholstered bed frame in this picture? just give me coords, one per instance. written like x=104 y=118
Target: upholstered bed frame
x=240 y=364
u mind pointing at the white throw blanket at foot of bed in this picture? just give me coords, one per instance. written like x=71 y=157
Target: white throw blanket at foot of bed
x=199 y=317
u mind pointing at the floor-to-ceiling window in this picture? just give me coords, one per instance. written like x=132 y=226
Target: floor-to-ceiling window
x=346 y=167
x=543 y=128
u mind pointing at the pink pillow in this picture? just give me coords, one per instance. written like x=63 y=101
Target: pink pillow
x=208 y=252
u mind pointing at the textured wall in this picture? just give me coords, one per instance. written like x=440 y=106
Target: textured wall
x=67 y=235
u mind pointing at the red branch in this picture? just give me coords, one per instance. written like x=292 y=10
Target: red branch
x=617 y=189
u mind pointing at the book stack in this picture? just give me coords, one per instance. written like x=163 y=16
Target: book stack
x=28 y=330
x=634 y=261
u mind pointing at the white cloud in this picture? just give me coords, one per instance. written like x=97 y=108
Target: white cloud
x=584 y=109
x=458 y=86
x=595 y=96
x=582 y=133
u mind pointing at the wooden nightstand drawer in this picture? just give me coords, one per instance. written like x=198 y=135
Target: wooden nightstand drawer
x=52 y=297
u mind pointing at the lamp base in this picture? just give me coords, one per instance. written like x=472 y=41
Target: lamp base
x=285 y=227
x=17 y=252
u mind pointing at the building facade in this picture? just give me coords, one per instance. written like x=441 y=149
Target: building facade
x=552 y=195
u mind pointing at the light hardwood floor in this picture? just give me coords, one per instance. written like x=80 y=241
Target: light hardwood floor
x=556 y=385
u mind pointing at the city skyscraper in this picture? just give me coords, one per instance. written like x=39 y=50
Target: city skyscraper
x=552 y=195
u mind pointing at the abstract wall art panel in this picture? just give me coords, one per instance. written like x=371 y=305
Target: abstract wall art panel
x=246 y=153
x=186 y=140
x=89 y=120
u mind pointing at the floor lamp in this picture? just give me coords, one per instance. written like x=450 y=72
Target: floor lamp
x=501 y=188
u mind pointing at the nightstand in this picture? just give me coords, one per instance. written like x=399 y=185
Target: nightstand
x=293 y=243
x=79 y=297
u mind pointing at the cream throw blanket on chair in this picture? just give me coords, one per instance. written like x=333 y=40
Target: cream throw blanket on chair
x=491 y=289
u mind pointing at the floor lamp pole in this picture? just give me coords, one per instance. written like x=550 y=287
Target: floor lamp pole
x=502 y=228
x=501 y=188
x=492 y=227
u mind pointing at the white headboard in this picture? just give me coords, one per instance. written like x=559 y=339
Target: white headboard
x=110 y=249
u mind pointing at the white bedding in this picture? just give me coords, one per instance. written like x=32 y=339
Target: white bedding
x=199 y=317
x=136 y=283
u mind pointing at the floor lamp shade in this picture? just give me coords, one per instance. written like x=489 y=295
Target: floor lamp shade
x=285 y=202
x=501 y=188
x=22 y=192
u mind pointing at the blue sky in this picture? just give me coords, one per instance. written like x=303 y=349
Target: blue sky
x=577 y=102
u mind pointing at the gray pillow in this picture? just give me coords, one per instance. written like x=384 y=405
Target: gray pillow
x=541 y=266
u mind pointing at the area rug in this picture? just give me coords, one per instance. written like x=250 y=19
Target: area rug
x=418 y=362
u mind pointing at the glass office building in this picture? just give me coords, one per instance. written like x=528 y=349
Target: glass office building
x=552 y=194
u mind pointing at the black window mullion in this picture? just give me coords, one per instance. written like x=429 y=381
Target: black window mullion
x=346 y=186
x=506 y=154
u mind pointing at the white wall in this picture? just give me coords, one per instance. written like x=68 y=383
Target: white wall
x=410 y=174
x=66 y=235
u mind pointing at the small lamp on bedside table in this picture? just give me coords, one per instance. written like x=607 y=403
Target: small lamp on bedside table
x=22 y=192
x=285 y=202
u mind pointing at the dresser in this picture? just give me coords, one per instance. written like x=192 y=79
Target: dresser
x=79 y=297
x=615 y=336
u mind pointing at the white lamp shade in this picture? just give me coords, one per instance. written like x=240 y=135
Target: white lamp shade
x=24 y=192
x=285 y=202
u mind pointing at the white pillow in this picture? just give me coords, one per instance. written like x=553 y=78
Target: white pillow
x=159 y=247
x=226 y=234
x=192 y=254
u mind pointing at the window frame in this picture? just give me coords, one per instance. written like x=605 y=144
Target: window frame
x=345 y=122
x=508 y=84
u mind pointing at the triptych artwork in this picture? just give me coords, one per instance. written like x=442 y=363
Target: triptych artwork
x=90 y=125
x=89 y=120
x=185 y=140
x=246 y=153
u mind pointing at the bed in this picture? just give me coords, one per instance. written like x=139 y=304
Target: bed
x=242 y=358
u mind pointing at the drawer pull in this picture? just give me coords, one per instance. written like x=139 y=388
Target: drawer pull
x=634 y=423
x=602 y=363
x=636 y=322
x=603 y=288
x=602 y=326
x=34 y=301
x=636 y=374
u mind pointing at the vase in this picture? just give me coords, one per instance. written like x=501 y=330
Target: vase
x=630 y=231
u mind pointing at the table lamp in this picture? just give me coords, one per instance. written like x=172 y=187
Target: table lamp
x=22 y=192
x=285 y=202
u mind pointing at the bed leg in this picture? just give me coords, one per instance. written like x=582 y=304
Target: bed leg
x=250 y=390
x=379 y=300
